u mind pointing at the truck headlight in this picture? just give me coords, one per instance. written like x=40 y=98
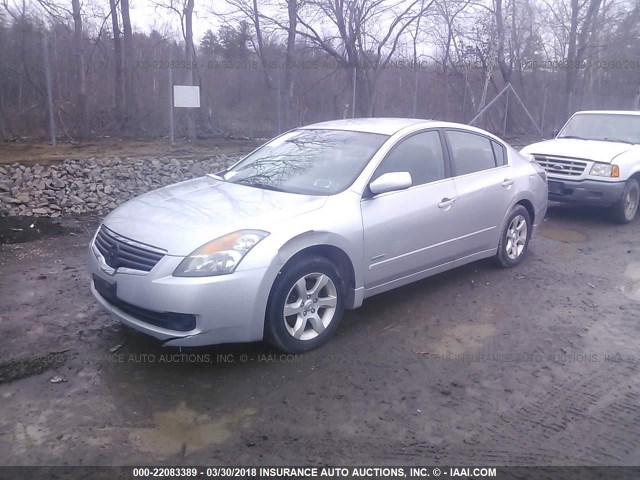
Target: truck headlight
x=604 y=170
x=220 y=256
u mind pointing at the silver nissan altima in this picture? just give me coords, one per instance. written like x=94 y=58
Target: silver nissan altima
x=315 y=221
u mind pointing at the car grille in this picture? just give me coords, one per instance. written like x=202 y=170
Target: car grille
x=561 y=165
x=121 y=252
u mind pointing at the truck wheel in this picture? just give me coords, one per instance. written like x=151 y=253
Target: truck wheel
x=624 y=210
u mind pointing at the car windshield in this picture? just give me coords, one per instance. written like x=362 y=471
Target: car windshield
x=603 y=126
x=311 y=162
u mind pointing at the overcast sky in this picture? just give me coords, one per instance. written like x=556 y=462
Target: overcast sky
x=145 y=17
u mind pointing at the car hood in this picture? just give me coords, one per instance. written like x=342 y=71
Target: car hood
x=182 y=217
x=594 y=150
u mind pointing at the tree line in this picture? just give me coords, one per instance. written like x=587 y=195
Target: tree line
x=79 y=70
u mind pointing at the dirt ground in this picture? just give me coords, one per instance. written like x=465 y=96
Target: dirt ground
x=535 y=365
x=31 y=153
x=28 y=153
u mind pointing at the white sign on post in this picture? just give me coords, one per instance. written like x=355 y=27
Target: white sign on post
x=186 y=96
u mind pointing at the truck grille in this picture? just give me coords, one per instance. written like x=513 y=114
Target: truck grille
x=561 y=165
x=122 y=252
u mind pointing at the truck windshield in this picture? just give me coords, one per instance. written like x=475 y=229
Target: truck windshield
x=609 y=127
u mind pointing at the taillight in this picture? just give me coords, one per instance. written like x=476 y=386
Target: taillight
x=538 y=168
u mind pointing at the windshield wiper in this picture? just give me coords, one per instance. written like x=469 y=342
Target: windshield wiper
x=264 y=186
x=573 y=136
x=620 y=140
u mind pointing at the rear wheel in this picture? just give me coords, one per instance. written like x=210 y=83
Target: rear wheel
x=306 y=305
x=514 y=239
x=625 y=209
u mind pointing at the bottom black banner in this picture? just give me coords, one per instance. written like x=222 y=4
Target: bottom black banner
x=305 y=472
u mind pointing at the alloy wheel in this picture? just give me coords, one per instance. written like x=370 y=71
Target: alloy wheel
x=310 y=306
x=516 y=237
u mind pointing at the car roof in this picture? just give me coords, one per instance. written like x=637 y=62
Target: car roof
x=390 y=126
x=612 y=112
x=385 y=126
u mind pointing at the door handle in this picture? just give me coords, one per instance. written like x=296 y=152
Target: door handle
x=508 y=182
x=446 y=202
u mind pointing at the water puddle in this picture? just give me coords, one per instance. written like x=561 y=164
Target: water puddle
x=632 y=272
x=563 y=234
x=26 y=229
x=185 y=430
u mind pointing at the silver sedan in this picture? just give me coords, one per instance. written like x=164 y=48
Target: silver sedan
x=315 y=221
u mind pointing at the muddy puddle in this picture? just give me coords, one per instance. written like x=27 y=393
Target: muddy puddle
x=27 y=229
x=563 y=234
x=184 y=430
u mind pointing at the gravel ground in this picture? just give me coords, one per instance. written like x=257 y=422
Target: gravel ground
x=95 y=185
x=535 y=365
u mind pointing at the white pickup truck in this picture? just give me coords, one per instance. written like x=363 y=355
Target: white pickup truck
x=594 y=160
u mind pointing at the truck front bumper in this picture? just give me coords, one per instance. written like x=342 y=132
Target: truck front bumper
x=589 y=192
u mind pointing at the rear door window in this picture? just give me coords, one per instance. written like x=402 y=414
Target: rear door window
x=470 y=152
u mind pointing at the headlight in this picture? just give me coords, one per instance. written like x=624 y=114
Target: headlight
x=219 y=256
x=604 y=170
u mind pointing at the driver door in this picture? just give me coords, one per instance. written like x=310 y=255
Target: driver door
x=408 y=231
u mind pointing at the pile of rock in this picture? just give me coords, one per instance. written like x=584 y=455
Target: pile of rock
x=92 y=185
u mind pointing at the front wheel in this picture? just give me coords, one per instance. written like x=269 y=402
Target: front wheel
x=625 y=209
x=305 y=306
x=514 y=239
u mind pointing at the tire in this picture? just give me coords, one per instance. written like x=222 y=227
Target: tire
x=517 y=226
x=312 y=320
x=625 y=209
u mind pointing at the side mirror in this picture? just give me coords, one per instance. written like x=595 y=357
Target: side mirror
x=555 y=133
x=390 y=182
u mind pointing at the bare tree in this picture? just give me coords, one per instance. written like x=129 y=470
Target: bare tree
x=118 y=96
x=190 y=55
x=368 y=35
x=292 y=16
x=127 y=67
x=184 y=10
x=572 y=24
x=500 y=39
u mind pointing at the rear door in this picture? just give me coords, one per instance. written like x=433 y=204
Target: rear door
x=410 y=230
x=484 y=184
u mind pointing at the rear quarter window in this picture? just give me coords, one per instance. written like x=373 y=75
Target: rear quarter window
x=499 y=152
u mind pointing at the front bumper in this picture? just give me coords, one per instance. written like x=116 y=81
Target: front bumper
x=227 y=308
x=591 y=192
